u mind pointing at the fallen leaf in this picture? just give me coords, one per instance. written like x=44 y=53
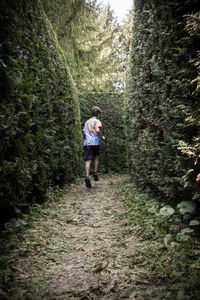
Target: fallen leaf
x=17 y=268
x=23 y=276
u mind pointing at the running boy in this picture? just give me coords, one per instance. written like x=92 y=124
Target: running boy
x=92 y=136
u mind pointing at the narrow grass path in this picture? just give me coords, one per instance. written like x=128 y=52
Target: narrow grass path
x=105 y=243
x=78 y=248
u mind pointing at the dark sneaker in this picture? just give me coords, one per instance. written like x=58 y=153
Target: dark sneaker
x=87 y=183
x=95 y=175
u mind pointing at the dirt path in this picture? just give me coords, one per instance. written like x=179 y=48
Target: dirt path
x=78 y=249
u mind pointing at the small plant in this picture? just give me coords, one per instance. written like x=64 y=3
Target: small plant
x=187 y=207
x=13 y=224
x=184 y=235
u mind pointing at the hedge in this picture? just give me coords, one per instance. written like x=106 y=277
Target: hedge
x=40 y=144
x=162 y=112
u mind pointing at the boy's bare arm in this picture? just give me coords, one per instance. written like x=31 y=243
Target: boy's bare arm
x=100 y=134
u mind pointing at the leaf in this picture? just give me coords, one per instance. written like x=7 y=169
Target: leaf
x=169 y=237
x=184 y=235
x=194 y=223
x=23 y=276
x=25 y=96
x=166 y=211
x=186 y=207
x=17 y=268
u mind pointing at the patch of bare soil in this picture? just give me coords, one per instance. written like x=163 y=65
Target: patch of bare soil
x=80 y=248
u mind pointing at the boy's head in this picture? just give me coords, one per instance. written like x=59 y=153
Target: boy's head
x=95 y=111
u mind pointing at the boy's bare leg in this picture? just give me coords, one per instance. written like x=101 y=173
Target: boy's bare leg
x=96 y=163
x=87 y=167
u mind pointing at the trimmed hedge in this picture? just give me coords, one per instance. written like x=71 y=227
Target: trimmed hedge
x=162 y=114
x=40 y=118
x=112 y=157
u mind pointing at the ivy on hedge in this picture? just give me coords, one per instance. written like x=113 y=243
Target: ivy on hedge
x=40 y=118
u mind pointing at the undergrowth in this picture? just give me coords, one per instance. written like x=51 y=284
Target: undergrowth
x=161 y=258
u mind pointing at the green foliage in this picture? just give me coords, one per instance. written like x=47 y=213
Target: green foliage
x=113 y=149
x=161 y=112
x=194 y=223
x=40 y=119
x=64 y=14
x=95 y=45
x=166 y=211
x=193 y=28
x=186 y=207
x=184 y=235
x=166 y=256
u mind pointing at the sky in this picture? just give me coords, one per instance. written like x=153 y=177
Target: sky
x=120 y=7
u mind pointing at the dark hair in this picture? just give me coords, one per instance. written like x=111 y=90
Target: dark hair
x=95 y=110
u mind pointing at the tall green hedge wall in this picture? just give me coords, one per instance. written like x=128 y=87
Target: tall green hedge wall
x=162 y=115
x=39 y=110
x=112 y=156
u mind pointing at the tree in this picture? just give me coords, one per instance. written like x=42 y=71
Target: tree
x=95 y=45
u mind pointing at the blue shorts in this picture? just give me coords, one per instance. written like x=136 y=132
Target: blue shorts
x=89 y=152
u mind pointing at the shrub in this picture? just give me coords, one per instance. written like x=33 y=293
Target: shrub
x=162 y=114
x=40 y=119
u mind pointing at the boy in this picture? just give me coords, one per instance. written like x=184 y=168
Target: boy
x=92 y=136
